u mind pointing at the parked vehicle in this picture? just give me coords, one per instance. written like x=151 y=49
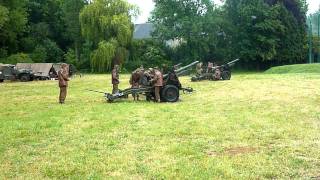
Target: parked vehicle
x=10 y=72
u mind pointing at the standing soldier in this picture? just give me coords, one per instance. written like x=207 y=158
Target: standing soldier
x=63 y=82
x=199 y=69
x=135 y=81
x=115 y=79
x=217 y=72
x=210 y=67
x=157 y=81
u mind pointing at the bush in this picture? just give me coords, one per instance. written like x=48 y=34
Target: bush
x=39 y=54
x=18 y=58
x=148 y=53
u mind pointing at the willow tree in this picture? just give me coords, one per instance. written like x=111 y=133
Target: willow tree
x=107 y=23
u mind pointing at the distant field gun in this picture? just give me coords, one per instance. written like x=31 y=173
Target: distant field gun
x=216 y=73
x=170 y=91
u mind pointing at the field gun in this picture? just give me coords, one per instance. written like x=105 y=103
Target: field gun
x=170 y=91
x=224 y=70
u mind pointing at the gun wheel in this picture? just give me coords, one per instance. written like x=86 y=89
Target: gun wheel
x=170 y=93
x=226 y=75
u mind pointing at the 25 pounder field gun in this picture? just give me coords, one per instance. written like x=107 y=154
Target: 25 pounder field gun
x=210 y=74
x=169 y=91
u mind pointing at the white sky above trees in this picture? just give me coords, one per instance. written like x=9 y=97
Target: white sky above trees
x=146 y=6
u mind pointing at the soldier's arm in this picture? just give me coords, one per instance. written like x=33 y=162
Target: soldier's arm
x=65 y=76
x=130 y=81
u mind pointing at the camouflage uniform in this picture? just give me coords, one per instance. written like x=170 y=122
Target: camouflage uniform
x=63 y=82
x=115 y=79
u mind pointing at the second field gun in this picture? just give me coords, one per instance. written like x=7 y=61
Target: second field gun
x=225 y=72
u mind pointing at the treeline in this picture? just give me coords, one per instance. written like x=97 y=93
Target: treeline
x=94 y=35
x=262 y=33
x=42 y=31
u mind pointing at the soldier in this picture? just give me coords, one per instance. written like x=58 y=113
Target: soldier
x=210 y=67
x=217 y=72
x=63 y=82
x=157 y=81
x=115 y=79
x=199 y=69
x=135 y=81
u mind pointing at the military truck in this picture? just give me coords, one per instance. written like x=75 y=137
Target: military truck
x=9 y=72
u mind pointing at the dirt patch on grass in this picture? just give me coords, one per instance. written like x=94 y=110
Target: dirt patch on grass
x=240 y=150
x=234 y=151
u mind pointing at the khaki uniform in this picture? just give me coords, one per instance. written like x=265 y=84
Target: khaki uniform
x=217 y=74
x=115 y=80
x=199 y=68
x=63 y=84
x=135 y=80
x=210 y=67
x=158 y=83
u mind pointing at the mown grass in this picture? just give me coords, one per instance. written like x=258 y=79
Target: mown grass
x=255 y=126
x=298 y=68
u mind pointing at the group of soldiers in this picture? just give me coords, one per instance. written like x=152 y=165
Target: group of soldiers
x=153 y=76
x=211 y=68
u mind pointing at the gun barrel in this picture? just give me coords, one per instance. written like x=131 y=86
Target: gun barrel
x=182 y=68
x=186 y=67
x=234 y=61
x=95 y=91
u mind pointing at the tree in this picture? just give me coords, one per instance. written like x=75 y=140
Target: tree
x=267 y=32
x=13 y=20
x=71 y=10
x=107 y=24
x=191 y=22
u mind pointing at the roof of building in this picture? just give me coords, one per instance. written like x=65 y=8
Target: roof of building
x=143 y=31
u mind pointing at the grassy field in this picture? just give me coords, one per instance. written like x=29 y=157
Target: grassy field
x=297 y=68
x=256 y=126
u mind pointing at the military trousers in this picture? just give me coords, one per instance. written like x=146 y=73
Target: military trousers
x=157 y=93
x=63 y=94
x=115 y=88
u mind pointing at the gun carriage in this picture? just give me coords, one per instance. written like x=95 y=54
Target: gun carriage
x=170 y=91
x=224 y=72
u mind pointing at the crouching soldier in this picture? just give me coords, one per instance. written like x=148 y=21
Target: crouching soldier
x=63 y=82
x=157 y=81
x=115 y=79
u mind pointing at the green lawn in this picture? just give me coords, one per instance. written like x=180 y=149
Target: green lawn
x=255 y=126
x=296 y=68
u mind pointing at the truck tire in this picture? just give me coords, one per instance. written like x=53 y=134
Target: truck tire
x=226 y=75
x=170 y=93
x=24 y=78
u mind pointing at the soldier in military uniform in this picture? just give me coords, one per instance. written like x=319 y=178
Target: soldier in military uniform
x=135 y=81
x=115 y=79
x=63 y=82
x=199 y=69
x=210 y=67
x=157 y=81
x=217 y=72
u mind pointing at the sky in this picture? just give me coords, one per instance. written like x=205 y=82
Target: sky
x=146 y=6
